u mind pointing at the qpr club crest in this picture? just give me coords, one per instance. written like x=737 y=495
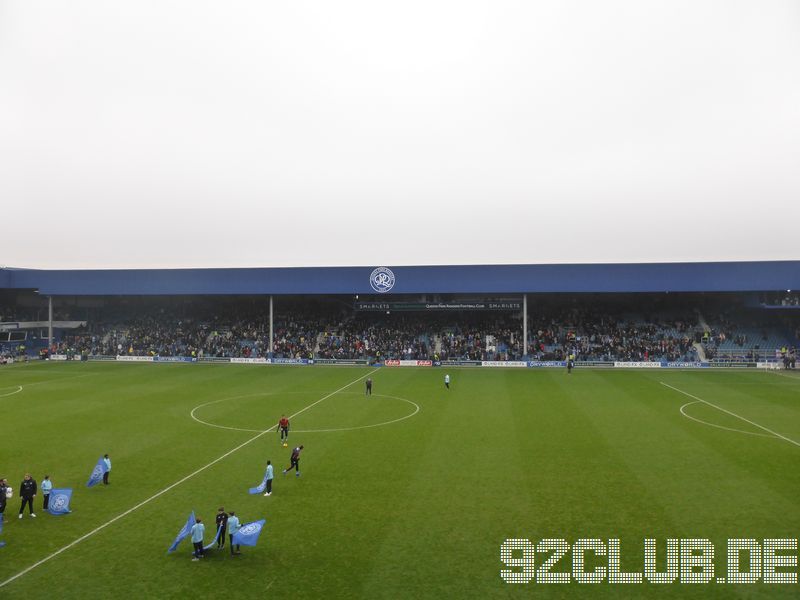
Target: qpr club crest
x=382 y=280
x=59 y=503
x=250 y=529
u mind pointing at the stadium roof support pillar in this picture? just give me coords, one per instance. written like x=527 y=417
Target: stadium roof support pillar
x=271 y=333
x=49 y=322
x=524 y=324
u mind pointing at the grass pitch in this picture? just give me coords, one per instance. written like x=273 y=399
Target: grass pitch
x=408 y=493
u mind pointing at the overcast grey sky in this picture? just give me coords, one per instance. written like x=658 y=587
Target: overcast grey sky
x=342 y=132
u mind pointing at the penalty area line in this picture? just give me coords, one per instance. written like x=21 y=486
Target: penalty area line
x=169 y=487
x=733 y=414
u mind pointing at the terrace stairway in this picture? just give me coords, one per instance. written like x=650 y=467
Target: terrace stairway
x=702 y=322
x=701 y=352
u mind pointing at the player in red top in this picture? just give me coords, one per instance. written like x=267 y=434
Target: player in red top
x=283 y=427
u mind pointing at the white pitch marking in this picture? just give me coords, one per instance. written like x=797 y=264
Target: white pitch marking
x=58 y=379
x=688 y=416
x=796 y=378
x=733 y=414
x=17 y=391
x=20 y=388
x=169 y=487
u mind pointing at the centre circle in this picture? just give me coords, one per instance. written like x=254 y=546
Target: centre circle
x=356 y=399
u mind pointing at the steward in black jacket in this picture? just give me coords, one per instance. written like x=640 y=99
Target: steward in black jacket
x=27 y=490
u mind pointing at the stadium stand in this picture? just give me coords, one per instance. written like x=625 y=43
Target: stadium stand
x=595 y=327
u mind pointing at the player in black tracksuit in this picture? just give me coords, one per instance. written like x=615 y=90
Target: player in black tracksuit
x=27 y=491
x=222 y=527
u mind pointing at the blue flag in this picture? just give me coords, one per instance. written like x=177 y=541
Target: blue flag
x=59 y=501
x=214 y=541
x=97 y=473
x=261 y=486
x=248 y=534
x=187 y=529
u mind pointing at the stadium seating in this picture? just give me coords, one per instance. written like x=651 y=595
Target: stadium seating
x=594 y=331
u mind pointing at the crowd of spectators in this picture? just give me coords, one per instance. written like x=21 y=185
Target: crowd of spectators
x=376 y=337
x=490 y=337
x=233 y=328
x=366 y=336
x=737 y=333
x=595 y=335
x=424 y=336
x=229 y=334
x=787 y=298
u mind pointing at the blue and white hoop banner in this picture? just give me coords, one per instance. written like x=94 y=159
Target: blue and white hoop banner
x=261 y=486
x=59 y=501
x=185 y=531
x=97 y=473
x=248 y=534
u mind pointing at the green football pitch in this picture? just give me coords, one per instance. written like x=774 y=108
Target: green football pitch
x=411 y=492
